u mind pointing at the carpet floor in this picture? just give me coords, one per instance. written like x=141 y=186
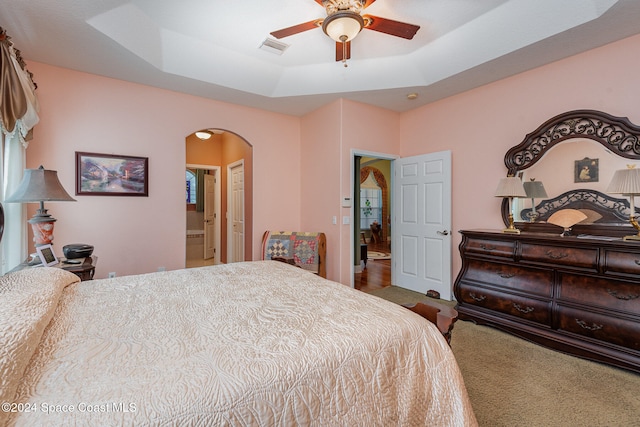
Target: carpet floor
x=512 y=382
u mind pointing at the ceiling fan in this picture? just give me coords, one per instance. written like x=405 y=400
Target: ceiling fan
x=345 y=20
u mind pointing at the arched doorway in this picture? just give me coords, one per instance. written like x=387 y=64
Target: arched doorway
x=209 y=152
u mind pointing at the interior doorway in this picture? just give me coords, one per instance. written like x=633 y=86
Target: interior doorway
x=372 y=197
x=203 y=213
x=211 y=213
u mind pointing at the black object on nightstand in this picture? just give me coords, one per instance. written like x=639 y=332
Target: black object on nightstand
x=83 y=268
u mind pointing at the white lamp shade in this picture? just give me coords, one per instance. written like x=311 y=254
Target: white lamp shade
x=510 y=186
x=625 y=181
x=343 y=26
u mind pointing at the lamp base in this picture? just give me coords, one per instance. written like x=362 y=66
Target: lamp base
x=634 y=237
x=42 y=225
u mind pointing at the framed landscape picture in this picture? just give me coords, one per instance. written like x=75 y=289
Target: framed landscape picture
x=111 y=175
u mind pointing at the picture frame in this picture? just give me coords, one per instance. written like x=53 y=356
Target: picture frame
x=111 y=175
x=47 y=255
x=586 y=170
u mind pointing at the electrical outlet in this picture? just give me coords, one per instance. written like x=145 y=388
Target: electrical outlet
x=112 y=274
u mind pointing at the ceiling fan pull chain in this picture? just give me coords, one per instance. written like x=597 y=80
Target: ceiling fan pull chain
x=344 y=50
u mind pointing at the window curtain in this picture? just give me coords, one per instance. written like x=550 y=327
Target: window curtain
x=18 y=115
x=13 y=248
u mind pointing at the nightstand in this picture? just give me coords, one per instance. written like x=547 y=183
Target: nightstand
x=84 y=270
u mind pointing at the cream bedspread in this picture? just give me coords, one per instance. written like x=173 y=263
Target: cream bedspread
x=248 y=344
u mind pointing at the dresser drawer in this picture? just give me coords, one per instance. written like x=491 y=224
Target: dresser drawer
x=524 y=279
x=622 y=332
x=524 y=308
x=622 y=262
x=558 y=255
x=491 y=247
x=600 y=292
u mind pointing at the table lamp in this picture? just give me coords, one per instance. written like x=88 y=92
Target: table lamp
x=627 y=182
x=510 y=187
x=534 y=190
x=39 y=186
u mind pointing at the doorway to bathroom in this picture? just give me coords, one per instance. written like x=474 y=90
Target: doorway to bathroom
x=203 y=214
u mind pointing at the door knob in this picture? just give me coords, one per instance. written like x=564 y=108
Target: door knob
x=443 y=233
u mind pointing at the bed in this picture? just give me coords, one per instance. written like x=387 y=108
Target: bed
x=258 y=343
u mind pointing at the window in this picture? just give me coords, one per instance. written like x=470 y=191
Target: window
x=370 y=207
x=191 y=187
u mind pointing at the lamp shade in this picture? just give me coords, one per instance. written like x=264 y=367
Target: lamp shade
x=510 y=186
x=40 y=185
x=534 y=189
x=625 y=181
x=343 y=26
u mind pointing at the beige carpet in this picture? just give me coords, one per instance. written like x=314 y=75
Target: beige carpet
x=512 y=382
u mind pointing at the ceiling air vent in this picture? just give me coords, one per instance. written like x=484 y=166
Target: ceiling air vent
x=274 y=46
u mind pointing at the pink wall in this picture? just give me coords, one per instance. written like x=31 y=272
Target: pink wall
x=479 y=126
x=320 y=179
x=83 y=112
x=328 y=137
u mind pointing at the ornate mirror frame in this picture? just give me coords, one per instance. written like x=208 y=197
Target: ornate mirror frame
x=616 y=134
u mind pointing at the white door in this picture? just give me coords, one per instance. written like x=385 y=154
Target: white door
x=421 y=240
x=235 y=251
x=209 y=216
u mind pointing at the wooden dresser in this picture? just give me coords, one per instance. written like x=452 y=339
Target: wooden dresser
x=579 y=296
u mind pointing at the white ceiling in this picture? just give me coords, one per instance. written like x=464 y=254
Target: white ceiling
x=211 y=48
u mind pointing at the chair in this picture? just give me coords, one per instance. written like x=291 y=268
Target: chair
x=307 y=250
x=441 y=315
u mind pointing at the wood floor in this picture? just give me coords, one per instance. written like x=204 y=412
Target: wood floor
x=377 y=275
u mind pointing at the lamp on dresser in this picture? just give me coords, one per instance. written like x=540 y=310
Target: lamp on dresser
x=510 y=187
x=627 y=182
x=39 y=186
x=534 y=190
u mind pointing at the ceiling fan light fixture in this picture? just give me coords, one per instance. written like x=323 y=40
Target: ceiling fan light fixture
x=343 y=26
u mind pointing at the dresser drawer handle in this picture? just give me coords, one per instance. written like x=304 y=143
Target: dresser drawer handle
x=637 y=261
x=558 y=256
x=525 y=310
x=593 y=327
x=487 y=248
x=478 y=299
x=506 y=275
x=622 y=297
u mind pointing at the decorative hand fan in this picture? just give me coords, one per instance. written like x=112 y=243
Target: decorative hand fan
x=566 y=218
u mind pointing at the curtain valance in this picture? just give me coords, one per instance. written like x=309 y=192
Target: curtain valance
x=18 y=102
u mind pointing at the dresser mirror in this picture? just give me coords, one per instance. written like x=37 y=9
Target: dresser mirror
x=575 y=155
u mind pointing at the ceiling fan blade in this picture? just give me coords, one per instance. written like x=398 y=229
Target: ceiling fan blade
x=391 y=27
x=343 y=52
x=285 y=32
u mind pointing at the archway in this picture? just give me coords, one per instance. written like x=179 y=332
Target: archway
x=214 y=149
